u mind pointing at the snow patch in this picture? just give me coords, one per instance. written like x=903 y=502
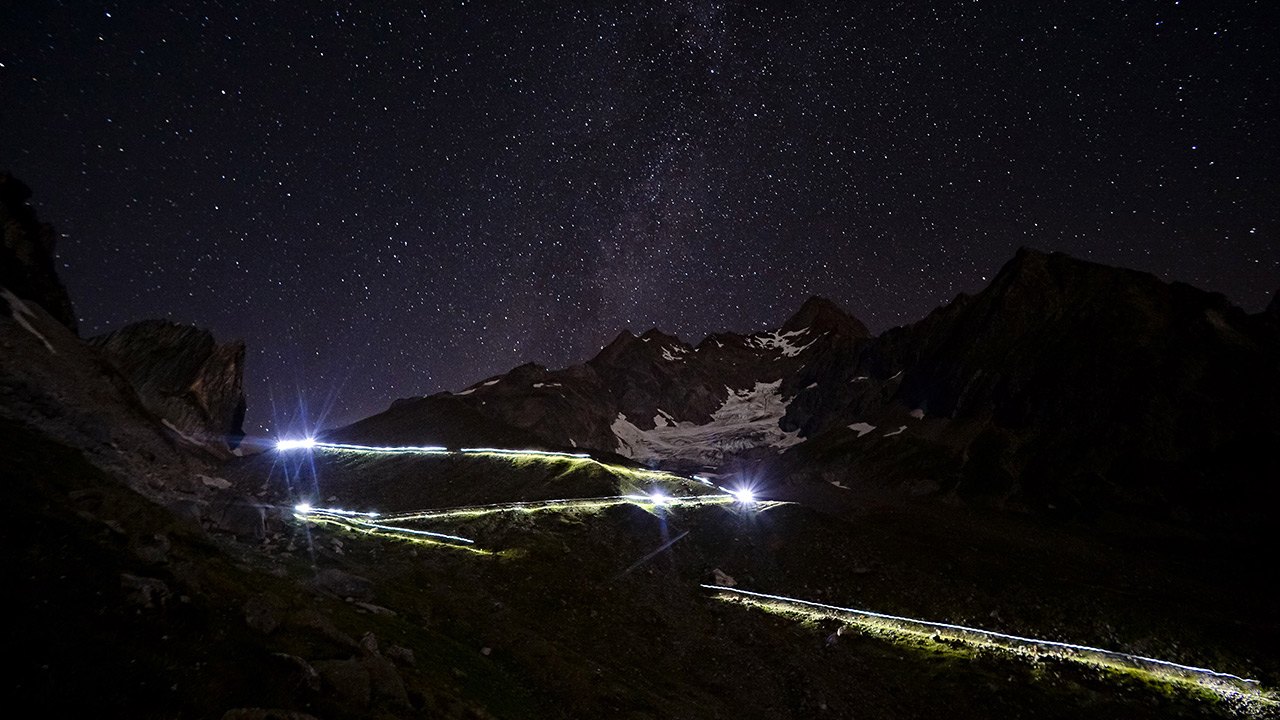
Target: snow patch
x=20 y=314
x=896 y=375
x=917 y=414
x=784 y=343
x=811 y=386
x=839 y=484
x=862 y=428
x=468 y=391
x=860 y=378
x=899 y=431
x=494 y=381
x=747 y=419
x=674 y=353
x=545 y=385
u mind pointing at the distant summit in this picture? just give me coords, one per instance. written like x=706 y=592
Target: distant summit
x=1065 y=385
x=820 y=315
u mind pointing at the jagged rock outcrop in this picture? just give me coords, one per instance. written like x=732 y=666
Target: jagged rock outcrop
x=26 y=259
x=182 y=375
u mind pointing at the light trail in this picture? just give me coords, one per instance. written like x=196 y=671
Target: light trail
x=559 y=504
x=1223 y=683
x=657 y=475
x=351 y=520
x=306 y=509
x=311 y=443
x=308 y=444
x=542 y=453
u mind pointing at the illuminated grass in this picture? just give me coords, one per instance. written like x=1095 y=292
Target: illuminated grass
x=899 y=629
x=582 y=458
x=351 y=521
x=630 y=480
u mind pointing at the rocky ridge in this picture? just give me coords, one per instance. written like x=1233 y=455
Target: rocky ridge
x=1065 y=386
x=193 y=383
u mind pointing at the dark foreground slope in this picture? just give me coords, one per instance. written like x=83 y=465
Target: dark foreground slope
x=129 y=610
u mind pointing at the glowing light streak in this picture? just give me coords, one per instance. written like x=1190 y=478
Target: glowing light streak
x=305 y=508
x=535 y=453
x=351 y=521
x=1222 y=682
x=311 y=443
x=559 y=504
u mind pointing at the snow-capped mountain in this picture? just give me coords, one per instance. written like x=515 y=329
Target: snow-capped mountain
x=1063 y=385
x=655 y=398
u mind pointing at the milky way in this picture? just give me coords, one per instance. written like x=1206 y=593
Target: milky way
x=392 y=202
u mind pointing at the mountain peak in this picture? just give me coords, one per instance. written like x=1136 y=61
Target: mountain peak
x=822 y=315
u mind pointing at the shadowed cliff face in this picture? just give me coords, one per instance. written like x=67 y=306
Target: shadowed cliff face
x=183 y=376
x=1064 y=384
x=26 y=258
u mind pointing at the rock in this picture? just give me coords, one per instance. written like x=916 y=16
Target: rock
x=149 y=593
x=261 y=614
x=316 y=621
x=183 y=376
x=27 y=266
x=343 y=584
x=299 y=672
x=402 y=655
x=214 y=482
x=721 y=579
x=385 y=682
x=240 y=515
x=153 y=550
x=376 y=609
x=347 y=680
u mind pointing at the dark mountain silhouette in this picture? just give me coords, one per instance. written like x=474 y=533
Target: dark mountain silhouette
x=1064 y=385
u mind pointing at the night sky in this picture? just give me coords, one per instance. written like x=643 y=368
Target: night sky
x=388 y=199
